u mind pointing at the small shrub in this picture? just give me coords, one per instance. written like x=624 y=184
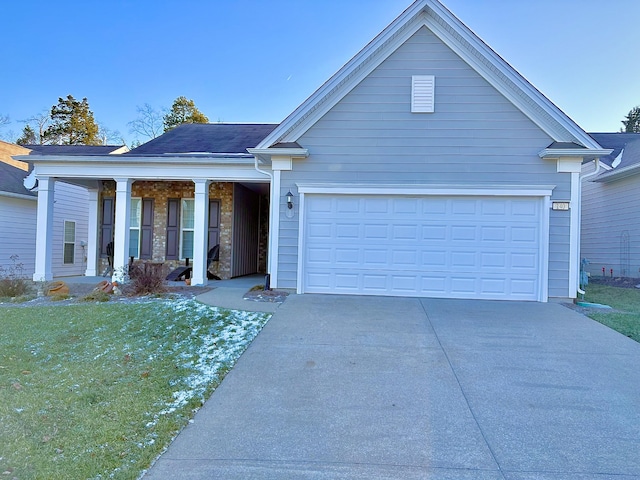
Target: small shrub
x=59 y=298
x=96 y=296
x=147 y=278
x=13 y=283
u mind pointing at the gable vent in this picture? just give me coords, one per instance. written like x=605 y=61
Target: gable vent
x=423 y=93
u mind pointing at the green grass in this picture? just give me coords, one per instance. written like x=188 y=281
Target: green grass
x=626 y=303
x=99 y=390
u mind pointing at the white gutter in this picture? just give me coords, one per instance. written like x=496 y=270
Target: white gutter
x=582 y=179
x=274 y=226
x=18 y=195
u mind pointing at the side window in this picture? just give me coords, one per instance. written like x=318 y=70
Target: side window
x=69 y=252
x=186 y=228
x=134 y=227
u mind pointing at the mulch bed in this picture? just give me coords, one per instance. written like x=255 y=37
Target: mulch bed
x=271 y=296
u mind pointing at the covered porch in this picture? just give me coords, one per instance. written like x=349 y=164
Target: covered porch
x=161 y=209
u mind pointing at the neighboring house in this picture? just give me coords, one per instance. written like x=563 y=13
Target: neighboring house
x=426 y=166
x=610 y=236
x=18 y=211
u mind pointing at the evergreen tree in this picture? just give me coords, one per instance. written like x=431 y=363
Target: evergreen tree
x=28 y=136
x=632 y=121
x=72 y=123
x=183 y=111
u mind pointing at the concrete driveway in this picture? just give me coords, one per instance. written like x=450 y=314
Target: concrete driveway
x=339 y=387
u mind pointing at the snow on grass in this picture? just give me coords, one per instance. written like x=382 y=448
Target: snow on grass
x=102 y=389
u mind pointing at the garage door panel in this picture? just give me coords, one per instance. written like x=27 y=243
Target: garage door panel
x=404 y=232
x=434 y=232
x=406 y=206
x=346 y=205
x=524 y=235
x=376 y=205
x=476 y=247
x=347 y=231
x=347 y=257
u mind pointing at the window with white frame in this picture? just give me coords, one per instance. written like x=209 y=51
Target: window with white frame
x=69 y=248
x=134 y=227
x=186 y=227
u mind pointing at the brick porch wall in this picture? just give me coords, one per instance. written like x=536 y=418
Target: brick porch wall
x=161 y=192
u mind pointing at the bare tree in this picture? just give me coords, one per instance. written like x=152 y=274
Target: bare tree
x=35 y=127
x=4 y=121
x=148 y=124
x=110 y=137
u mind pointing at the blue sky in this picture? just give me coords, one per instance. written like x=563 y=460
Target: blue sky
x=257 y=60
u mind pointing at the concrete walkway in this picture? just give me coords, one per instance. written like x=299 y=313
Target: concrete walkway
x=404 y=388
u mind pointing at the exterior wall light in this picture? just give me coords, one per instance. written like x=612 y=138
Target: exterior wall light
x=289 y=212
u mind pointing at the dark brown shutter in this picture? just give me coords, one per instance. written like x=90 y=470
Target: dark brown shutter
x=214 y=224
x=173 y=228
x=146 y=229
x=107 y=223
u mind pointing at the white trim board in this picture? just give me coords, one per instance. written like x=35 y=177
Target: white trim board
x=425 y=189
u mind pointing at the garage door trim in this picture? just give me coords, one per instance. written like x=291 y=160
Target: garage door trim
x=541 y=191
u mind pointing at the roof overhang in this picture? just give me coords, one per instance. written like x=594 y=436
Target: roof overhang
x=616 y=174
x=19 y=196
x=267 y=154
x=584 y=153
x=223 y=167
x=457 y=36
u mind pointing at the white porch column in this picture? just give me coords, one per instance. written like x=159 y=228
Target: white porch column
x=44 y=230
x=200 y=232
x=278 y=164
x=122 y=224
x=274 y=229
x=91 y=250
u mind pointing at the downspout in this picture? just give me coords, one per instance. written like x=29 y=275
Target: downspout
x=582 y=179
x=270 y=242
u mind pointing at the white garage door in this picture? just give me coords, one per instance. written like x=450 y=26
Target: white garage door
x=450 y=247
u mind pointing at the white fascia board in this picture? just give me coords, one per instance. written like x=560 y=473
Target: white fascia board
x=427 y=190
x=267 y=154
x=243 y=172
x=462 y=41
x=614 y=175
x=343 y=80
x=185 y=159
x=554 y=153
x=19 y=196
x=505 y=78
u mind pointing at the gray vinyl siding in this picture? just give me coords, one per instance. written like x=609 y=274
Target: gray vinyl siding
x=72 y=204
x=609 y=210
x=475 y=136
x=18 y=233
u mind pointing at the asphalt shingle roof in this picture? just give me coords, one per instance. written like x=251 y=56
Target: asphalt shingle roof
x=11 y=180
x=629 y=142
x=72 y=149
x=207 y=138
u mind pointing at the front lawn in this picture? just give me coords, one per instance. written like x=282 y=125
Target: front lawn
x=626 y=304
x=98 y=391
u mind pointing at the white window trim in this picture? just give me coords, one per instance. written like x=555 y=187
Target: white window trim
x=182 y=227
x=136 y=227
x=65 y=242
